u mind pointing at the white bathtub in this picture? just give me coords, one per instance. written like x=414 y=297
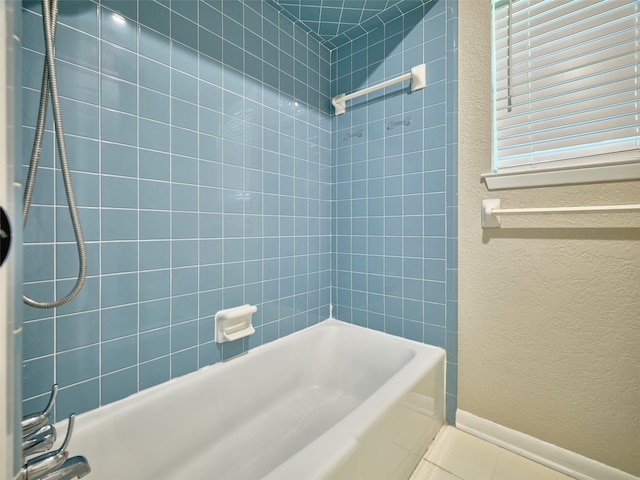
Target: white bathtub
x=334 y=401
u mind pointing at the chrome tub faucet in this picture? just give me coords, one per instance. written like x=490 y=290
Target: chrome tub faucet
x=39 y=436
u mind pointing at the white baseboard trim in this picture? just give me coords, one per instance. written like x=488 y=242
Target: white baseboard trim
x=547 y=454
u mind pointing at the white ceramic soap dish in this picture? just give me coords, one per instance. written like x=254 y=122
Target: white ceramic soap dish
x=234 y=323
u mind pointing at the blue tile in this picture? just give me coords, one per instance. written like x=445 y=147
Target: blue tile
x=393 y=325
x=118 y=354
x=184 y=308
x=154 y=372
x=184 y=86
x=434 y=203
x=184 y=197
x=85 y=188
x=210 y=148
x=38 y=262
x=184 y=59
x=232 y=349
x=126 y=9
x=118 y=30
x=83 y=154
x=210 y=199
x=154 y=165
x=154 y=314
x=210 y=18
x=79 y=330
x=451 y=408
x=118 y=257
x=118 y=385
x=155 y=16
x=154 y=225
x=119 y=192
x=154 y=195
x=119 y=62
x=184 y=170
x=84 y=19
x=86 y=299
x=184 y=335
x=452 y=253
x=188 y=8
x=80 y=118
x=211 y=276
x=121 y=160
x=452 y=345
x=119 y=289
x=154 y=255
x=184 y=362
x=413 y=330
x=452 y=378
x=77 y=365
x=37 y=376
x=154 y=344
x=434 y=292
x=76 y=47
x=184 y=142
x=38 y=290
x=184 y=31
x=184 y=225
x=434 y=335
x=38 y=338
x=434 y=270
x=75 y=82
x=154 y=75
x=434 y=314
x=77 y=399
x=155 y=284
x=184 y=280
x=452 y=285
x=119 y=224
x=32 y=31
x=154 y=105
x=119 y=127
x=30 y=103
x=119 y=322
x=233 y=274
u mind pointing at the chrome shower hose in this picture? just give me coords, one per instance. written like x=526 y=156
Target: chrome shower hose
x=50 y=86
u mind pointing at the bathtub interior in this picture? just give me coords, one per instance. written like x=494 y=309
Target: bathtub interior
x=253 y=414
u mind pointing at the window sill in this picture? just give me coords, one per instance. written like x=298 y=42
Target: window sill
x=544 y=177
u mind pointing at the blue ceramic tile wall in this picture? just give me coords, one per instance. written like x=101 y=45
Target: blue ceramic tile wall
x=395 y=183
x=210 y=174
x=199 y=137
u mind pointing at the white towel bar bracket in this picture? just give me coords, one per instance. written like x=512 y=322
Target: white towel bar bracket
x=489 y=220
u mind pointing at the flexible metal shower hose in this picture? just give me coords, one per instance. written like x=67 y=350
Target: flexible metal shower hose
x=50 y=85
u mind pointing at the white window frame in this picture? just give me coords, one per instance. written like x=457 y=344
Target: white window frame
x=591 y=167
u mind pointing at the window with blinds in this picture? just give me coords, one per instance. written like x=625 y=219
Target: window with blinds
x=566 y=83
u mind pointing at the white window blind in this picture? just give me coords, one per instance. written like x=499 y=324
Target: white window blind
x=566 y=82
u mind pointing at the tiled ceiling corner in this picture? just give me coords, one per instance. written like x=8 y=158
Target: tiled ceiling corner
x=336 y=22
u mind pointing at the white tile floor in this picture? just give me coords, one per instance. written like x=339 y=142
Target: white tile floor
x=456 y=455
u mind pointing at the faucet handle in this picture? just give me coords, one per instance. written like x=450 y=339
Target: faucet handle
x=41 y=440
x=31 y=423
x=42 y=464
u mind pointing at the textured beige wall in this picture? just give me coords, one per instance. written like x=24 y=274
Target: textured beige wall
x=549 y=307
